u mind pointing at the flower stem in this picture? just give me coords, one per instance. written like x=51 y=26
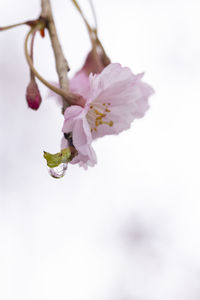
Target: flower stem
x=68 y=97
x=31 y=54
x=92 y=32
x=60 y=92
x=96 y=43
x=94 y=14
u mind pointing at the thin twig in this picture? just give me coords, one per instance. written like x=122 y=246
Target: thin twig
x=12 y=26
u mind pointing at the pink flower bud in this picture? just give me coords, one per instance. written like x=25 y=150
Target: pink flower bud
x=95 y=62
x=33 y=97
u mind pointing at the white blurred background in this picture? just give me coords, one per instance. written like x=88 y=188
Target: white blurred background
x=127 y=229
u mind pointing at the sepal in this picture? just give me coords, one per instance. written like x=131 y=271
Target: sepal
x=54 y=160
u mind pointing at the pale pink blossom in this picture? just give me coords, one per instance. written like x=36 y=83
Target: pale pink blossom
x=114 y=98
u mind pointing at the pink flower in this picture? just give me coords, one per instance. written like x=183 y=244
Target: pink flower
x=114 y=98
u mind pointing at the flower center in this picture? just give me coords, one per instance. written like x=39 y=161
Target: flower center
x=97 y=115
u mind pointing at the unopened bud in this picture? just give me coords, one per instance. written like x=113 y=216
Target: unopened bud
x=33 y=96
x=95 y=62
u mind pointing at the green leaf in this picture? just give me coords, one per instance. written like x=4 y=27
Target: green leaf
x=54 y=160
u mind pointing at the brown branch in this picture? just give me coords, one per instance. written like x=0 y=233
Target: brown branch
x=61 y=63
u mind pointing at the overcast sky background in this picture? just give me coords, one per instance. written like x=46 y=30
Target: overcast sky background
x=127 y=229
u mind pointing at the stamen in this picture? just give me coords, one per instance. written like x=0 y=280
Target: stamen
x=99 y=113
x=96 y=115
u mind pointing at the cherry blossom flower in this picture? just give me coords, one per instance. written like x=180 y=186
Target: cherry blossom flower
x=114 y=98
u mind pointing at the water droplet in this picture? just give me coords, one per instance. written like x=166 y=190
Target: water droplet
x=59 y=171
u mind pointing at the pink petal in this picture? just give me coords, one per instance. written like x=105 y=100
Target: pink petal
x=76 y=123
